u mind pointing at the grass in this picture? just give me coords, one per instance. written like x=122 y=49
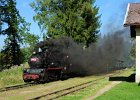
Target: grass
x=11 y=76
x=90 y=91
x=123 y=91
x=87 y=92
x=38 y=90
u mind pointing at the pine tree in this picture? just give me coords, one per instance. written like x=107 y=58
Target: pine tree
x=78 y=19
x=14 y=31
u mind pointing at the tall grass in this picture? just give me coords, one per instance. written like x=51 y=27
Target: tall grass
x=11 y=76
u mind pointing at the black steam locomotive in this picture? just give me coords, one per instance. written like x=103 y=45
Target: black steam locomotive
x=48 y=62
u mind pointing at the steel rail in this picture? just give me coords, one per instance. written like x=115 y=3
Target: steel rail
x=81 y=86
x=15 y=87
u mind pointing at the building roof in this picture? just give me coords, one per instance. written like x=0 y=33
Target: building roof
x=132 y=16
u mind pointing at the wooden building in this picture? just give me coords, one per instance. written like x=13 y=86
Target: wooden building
x=132 y=20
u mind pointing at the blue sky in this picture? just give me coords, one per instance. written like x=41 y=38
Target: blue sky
x=112 y=14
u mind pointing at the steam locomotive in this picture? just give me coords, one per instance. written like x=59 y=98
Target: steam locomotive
x=46 y=63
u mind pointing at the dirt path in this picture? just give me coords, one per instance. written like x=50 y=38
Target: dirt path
x=103 y=90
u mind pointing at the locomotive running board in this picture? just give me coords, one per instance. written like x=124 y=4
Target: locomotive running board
x=55 y=68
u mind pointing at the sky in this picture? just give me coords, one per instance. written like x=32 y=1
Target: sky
x=112 y=15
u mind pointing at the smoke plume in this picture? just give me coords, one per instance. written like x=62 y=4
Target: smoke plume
x=98 y=56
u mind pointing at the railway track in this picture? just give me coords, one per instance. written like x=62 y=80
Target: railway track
x=59 y=93
x=15 y=87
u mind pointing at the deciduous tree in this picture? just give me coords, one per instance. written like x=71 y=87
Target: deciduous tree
x=78 y=19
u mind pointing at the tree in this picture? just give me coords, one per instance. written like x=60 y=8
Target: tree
x=15 y=31
x=78 y=19
x=28 y=39
x=11 y=18
x=1 y=61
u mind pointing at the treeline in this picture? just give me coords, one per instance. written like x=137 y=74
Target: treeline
x=78 y=19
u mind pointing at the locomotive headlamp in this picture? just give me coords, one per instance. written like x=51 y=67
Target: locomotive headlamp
x=34 y=52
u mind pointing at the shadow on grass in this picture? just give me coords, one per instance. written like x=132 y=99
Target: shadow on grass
x=130 y=78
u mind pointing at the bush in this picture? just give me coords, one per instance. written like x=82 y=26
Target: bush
x=22 y=58
x=11 y=76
